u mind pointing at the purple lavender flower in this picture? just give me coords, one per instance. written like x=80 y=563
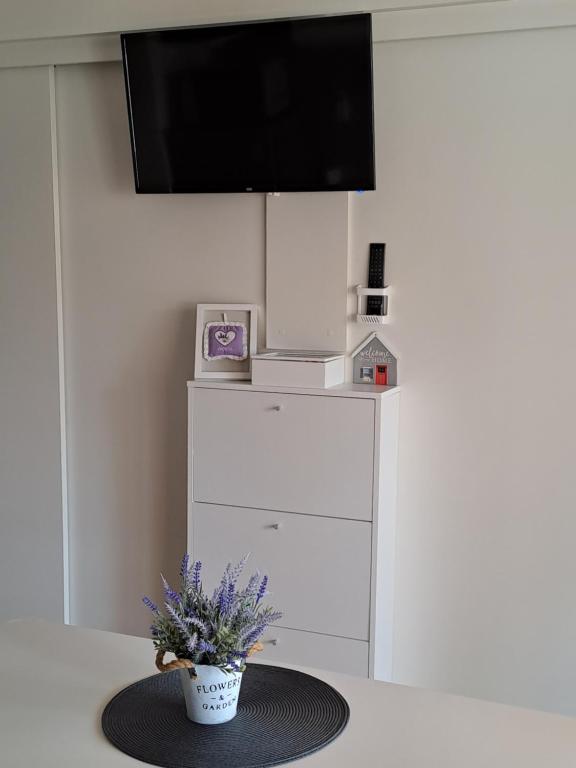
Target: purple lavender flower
x=272 y=617
x=225 y=599
x=252 y=586
x=218 y=630
x=217 y=594
x=178 y=621
x=171 y=595
x=223 y=586
x=254 y=635
x=196 y=622
x=150 y=604
x=230 y=599
x=184 y=566
x=206 y=647
x=234 y=573
x=191 y=643
x=196 y=568
x=249 y=627
x=262 y=590
x=222 y=600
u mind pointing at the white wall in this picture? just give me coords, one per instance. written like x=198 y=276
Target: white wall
x=134 y=267
x=476 y=162
x=31 y=543
x=39 y=19
x=476 y=175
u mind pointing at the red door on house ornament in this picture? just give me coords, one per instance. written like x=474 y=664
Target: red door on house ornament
x=382 y=375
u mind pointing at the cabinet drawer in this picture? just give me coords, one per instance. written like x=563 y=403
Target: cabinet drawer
x=293 y=453
x=319 y=568
x=289 y=646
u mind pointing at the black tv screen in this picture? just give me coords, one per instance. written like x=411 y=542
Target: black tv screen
x=270 y=106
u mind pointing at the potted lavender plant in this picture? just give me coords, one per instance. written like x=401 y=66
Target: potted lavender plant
x=211 y=637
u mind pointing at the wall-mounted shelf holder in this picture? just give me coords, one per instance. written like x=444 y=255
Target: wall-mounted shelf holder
x=365 y=319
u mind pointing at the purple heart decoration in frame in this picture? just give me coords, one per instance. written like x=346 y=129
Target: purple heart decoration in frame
x=226 y=338
x=225 y=341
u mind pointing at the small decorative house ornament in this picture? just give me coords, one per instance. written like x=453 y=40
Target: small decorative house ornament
x=373 y=363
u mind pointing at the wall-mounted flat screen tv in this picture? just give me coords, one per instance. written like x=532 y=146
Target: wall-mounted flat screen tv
x=268 y=106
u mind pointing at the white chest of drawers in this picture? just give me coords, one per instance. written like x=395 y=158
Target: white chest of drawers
x=304 y=480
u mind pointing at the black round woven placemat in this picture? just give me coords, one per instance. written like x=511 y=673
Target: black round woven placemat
x=282 y=715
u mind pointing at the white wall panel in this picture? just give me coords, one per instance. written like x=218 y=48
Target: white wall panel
x=306 y=270
x=31 y=551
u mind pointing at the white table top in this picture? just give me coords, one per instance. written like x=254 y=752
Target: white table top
x=56 y=680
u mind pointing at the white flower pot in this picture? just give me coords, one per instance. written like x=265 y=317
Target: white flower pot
x=211 y=696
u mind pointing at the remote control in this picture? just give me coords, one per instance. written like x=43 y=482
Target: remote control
x=375 y=304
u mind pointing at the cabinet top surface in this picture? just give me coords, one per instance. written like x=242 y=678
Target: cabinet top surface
x=369 y=391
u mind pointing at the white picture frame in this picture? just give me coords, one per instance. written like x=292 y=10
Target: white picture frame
x=225 y=369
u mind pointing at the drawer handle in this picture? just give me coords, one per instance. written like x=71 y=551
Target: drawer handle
x=274 y=641
x=277 y=407
x=276 y=526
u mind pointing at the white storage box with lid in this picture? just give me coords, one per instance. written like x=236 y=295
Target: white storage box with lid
x=298 y=369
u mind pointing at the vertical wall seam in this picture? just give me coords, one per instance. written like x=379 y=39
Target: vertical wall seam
x=61 y=356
